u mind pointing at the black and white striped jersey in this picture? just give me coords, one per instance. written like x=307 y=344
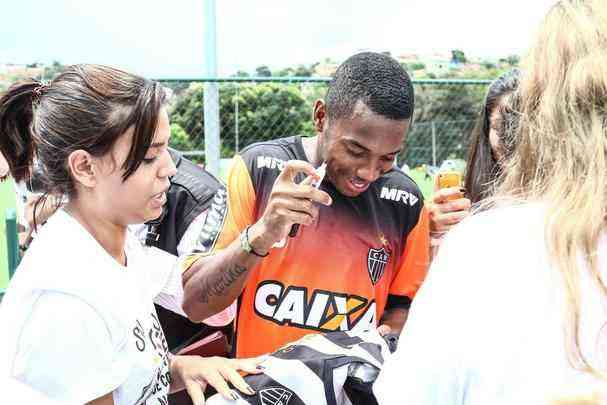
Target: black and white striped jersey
x=336 y=368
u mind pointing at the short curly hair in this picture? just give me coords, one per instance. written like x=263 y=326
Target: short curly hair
x=375 y=79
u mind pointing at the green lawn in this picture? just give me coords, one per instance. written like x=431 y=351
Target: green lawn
x=7 y=200
x=424 y=182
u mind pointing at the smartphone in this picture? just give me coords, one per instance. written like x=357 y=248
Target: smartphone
x=321 y=171
x=450 y=179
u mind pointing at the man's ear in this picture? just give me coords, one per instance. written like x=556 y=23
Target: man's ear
x=320 y=116
x=82 y=167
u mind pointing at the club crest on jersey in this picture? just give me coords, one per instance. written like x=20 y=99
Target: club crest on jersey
x=275 y=396
x=376 y=263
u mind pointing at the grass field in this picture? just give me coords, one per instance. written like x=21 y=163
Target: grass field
x=7 y=200
x=424 y=182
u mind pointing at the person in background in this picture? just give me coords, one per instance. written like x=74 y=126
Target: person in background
x=514 y=308
x=490 y=146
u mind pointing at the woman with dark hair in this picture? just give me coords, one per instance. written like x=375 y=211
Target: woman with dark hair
x=490 y=145
x=490 y=137
x=79 y=324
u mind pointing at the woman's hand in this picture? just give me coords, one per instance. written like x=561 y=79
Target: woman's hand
x=448 y=208
x=194 y=373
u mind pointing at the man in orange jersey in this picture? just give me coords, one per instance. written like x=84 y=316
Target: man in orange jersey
x=347 y=255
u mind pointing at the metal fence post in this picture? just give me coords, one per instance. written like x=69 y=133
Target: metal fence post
x=433 y=144
x=211 y=92
x=236 y=120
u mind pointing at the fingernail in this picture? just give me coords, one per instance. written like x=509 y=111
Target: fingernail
x=250 y=390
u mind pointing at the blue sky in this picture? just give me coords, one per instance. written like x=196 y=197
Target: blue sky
x=158 y=40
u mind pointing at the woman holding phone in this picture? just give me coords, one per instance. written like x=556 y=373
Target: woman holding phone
x=489 y=147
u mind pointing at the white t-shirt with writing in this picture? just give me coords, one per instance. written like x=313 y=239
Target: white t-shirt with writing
x=487 y=326
x=76 y=325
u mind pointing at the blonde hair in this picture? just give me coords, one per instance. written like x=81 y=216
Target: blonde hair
x=561 y=146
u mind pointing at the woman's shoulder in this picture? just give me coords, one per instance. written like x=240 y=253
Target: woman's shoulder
x=502 y=221
x=495 y=243
x=64 y=261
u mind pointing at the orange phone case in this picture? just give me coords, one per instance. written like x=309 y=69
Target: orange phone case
x=450 y=179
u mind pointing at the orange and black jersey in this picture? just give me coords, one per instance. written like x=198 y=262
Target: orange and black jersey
x=362 y=255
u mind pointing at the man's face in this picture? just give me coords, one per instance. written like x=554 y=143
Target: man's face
x=359 y=149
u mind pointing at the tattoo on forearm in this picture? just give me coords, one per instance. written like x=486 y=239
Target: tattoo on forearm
x=218 y=284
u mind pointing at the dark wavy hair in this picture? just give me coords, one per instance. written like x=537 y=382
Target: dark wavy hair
x=482 y=168
x=85 y=107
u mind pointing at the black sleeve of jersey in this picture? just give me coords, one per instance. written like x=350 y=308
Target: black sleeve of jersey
x=265 y=161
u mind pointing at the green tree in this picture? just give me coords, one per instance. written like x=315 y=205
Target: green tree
x=413 y=66
x=449 y=111
x=53 y=70
x=299 y=70
x=241 y=73
x=513 y=60
x=284 y=72
x=265 y=111
x=180 y=140
x=303 y=71
x=458 y=56
x=263 y=71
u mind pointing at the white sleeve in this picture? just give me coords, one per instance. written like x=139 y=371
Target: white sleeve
x=13 y=388
x=425 y=369
x=170 y=295
x=191 y=236
x=66 y=351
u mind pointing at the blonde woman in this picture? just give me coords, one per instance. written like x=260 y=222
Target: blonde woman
x=514 y=309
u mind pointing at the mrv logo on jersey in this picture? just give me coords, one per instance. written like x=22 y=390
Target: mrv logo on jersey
x=397 y=195
x=324 y=311
x=270 y=162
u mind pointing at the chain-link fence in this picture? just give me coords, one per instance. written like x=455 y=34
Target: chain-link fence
x=253 y=110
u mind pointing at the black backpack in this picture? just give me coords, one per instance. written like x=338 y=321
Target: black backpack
x=191 y=192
